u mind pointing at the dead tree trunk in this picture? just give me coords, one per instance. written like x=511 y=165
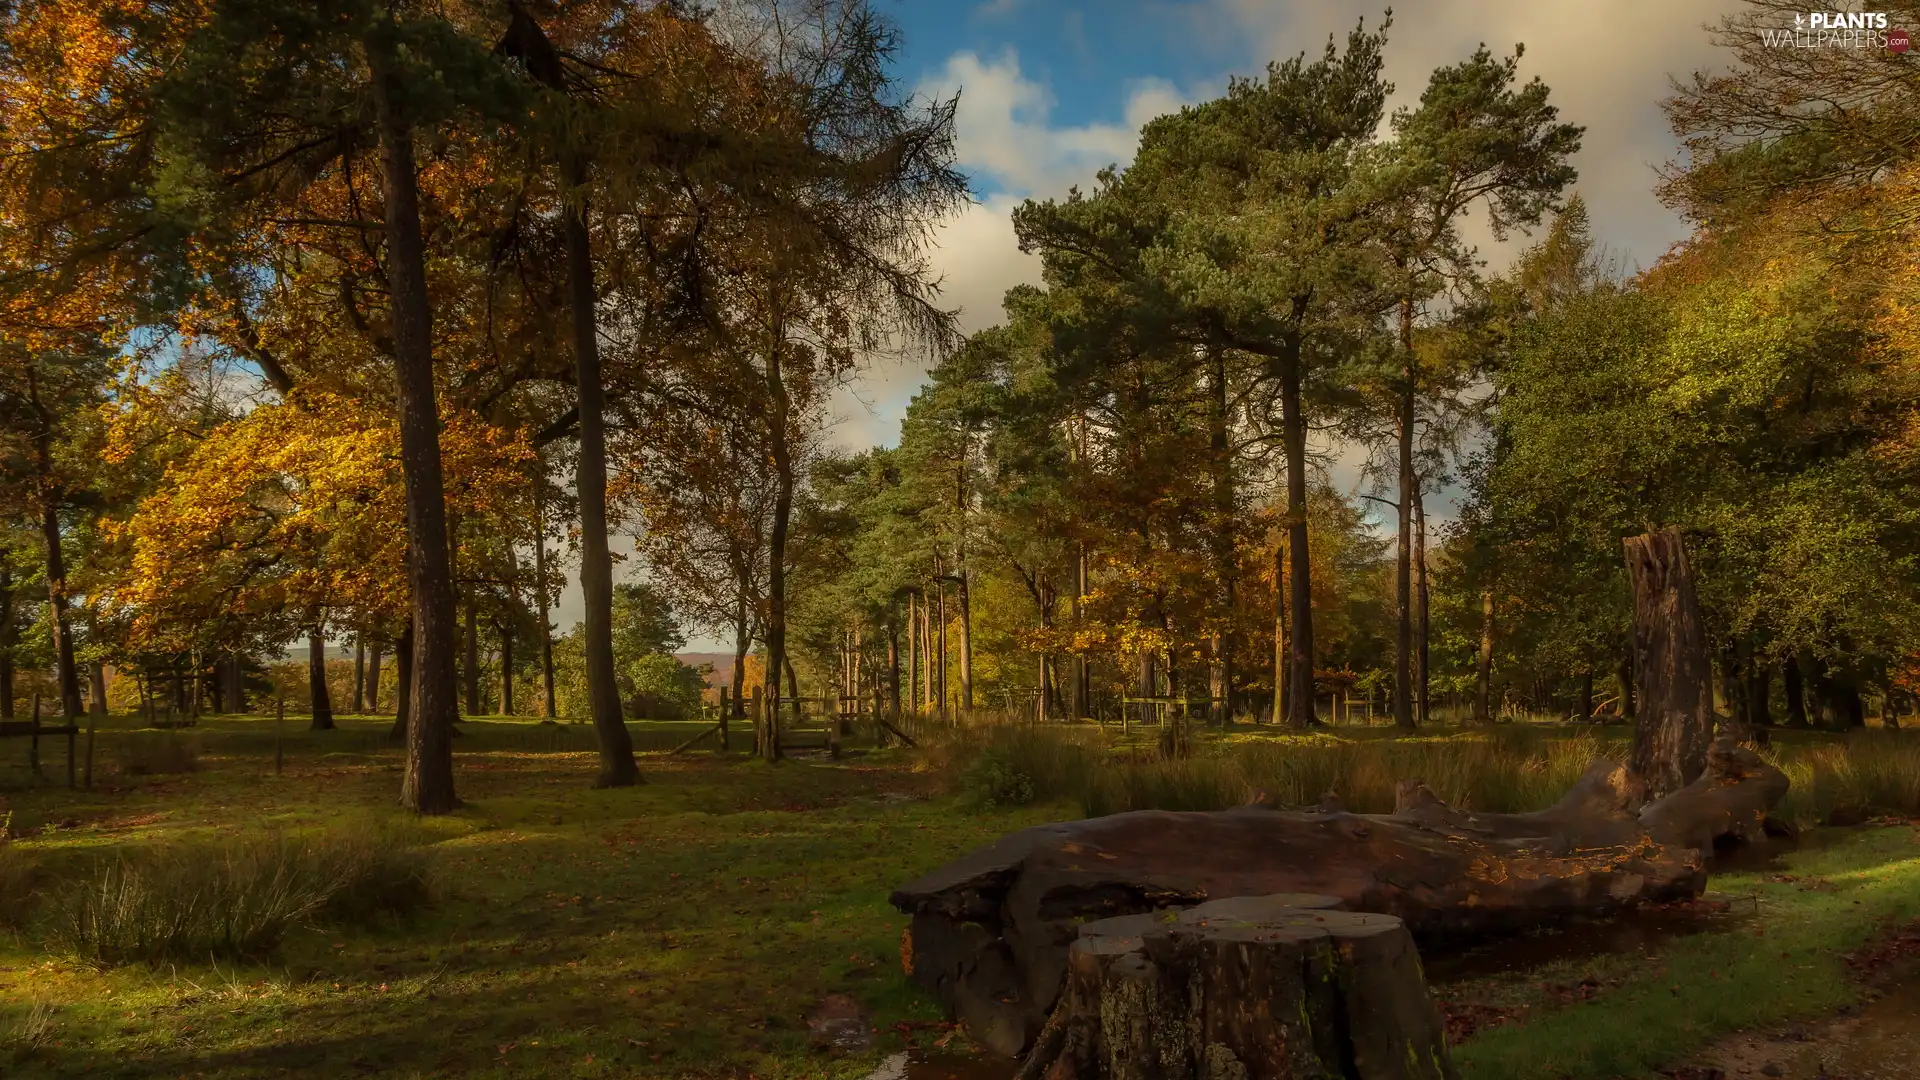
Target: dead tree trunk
x=1672 y=674
x=991 y=932
x=1276 y=987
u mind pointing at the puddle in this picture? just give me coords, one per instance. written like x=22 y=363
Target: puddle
x=1630 y=932
x=941 y=1065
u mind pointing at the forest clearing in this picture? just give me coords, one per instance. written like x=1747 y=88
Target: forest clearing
x=748 y=539
x=689 y=926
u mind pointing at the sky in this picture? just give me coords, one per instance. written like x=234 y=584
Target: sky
x=1051 y=91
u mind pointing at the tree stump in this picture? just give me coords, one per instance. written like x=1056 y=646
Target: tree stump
x=1251 y=988
x=1672 y=676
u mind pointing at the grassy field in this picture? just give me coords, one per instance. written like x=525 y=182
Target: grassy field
x=685 y=927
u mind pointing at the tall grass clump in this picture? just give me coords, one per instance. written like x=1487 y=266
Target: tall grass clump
x=161 y=753
x=1867 y=772
x=993 y=765
x=235 y=898
x=1188 y=783
x=24 y=1030
x=1501 y=770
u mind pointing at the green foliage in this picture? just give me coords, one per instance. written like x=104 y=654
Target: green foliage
x=662 y=687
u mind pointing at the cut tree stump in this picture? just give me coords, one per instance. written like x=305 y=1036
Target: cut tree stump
x=1252 y=987
x=991 y=932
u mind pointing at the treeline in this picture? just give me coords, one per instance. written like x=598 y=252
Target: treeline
x=358 y=319
x=1123 y=489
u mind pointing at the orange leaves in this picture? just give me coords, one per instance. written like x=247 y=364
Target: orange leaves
x=296 y=507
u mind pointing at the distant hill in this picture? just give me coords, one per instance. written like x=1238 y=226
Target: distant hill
x=722 y=665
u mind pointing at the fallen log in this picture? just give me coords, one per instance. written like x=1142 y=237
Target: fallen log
x=990 y=933
x=1246 y=987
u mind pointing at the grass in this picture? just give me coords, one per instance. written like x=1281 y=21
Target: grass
x=1783 y=962
x=236 y=897
x=684 y=927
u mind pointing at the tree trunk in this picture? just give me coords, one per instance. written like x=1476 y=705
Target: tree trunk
x=781 y=452
x=322 y=702
x=913 y=650
x=1423 y=625
x=1583 y=708
x=403 y=686
x=893 y=672
x=540 y=597
x=1483 y=668
x=470 y=664
x=1293 y=422
x=1672 y=671
x=66 y=673
x=359 y=674
x=427 y=787
x=617 y=765
x=1796 y=693
x=1226 y=558
x=1756 y=686
x=1245 y=987
x=1082 y=705
x=236 y=689
x=966 y=642
x=373 y=677
x=990 y=932
x=7 y=637
x=1403 y=645
x=1280 y=633
x=943 y=650
x=97 y=695
x=742 y=642
x=506 y=669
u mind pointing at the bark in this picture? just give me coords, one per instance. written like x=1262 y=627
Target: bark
x=617 y=765
x=322 y=702
x=1583 y=707
x=1759 y=687
x=779 y=408
x=942 y=658
x=7 y=638
x=427 y=786
x=1226 y=559
x=470 y=662
x=359 y=674
x=1796 y=694
x=990 y=932
x=236 y=689
x=403 y=685
x=1293 y=423
x=373 y=677
x=1276 y=987
x=893 y=673
x=1483 y=668
x=1672 y=671
x=97 y=689
x=1279 y=633
x=67 y=675
x=913 y=650
x=540 y=602
x=1403 y=673
x=1423 y=625
x=506 y=669
x=1629 y=709
x=966 y=642
x=1082 y=674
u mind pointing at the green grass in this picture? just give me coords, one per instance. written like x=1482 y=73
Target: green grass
x=1783 y=962
x=684 y=927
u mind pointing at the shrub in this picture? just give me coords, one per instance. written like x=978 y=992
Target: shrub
x=156 y=754
x=235 y=898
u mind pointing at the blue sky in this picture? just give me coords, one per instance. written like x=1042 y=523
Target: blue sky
x=1052 y=90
